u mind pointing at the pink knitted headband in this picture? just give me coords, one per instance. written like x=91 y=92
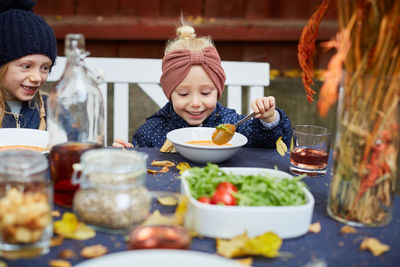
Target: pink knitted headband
x=177 y=64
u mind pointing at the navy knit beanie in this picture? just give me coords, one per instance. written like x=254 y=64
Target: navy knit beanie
x=24 y=33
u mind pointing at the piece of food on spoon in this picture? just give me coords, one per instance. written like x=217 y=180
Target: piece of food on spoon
x=223 y=133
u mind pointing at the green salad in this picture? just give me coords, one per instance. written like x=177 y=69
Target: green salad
x=252 y=190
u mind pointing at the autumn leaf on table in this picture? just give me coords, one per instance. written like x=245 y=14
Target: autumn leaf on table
x=183 y=166
x=281 y=147
x=176 y=219
x=163 y=169
x=346 y=229
x=266 y=245
x=374 y=245
x=162 y=163
x=168 y=200
x=315 y=228
x=70 y=227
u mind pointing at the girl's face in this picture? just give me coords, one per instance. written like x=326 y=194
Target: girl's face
x=24 y=77
x=195 y=98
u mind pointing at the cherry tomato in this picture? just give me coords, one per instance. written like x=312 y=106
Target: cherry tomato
x=227 y=186
x=223 y=197
x=204 y=199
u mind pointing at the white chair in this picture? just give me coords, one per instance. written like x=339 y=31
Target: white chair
x=146 y=74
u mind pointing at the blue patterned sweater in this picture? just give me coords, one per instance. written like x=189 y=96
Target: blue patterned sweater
x=154 y=131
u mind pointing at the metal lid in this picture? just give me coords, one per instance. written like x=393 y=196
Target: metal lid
x=22 y=163
x=111 y=166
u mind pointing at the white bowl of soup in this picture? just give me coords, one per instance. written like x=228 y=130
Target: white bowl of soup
x=195 y=144
x=24 y=139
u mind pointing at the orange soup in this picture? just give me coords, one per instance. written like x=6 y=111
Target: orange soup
x=21 y=147
x=205 y=143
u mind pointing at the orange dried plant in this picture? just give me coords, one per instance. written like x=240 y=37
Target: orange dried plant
x=306 y=48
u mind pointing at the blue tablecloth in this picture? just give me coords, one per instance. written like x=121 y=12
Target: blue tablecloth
x=329 y=245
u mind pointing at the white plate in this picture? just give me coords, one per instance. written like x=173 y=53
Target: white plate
x=230 y=221
x=24 y=137
x=160 y=258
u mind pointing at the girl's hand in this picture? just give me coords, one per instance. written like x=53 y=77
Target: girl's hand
x=264 y=107
x=121 y=143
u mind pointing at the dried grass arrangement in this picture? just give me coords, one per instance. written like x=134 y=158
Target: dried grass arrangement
x=366 y=67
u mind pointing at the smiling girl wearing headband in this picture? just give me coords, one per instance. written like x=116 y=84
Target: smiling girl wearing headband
x=193 y=80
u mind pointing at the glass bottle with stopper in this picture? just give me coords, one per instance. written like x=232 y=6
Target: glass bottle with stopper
x=75 y=118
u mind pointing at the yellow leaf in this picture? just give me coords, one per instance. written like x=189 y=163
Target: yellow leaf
x=70 y=227
x=68 y=223
x=83 y=232
x=267 y=245
x=231 y=248
x=181 y=209
x=373 y=244
x=183 y=166
x=156 y=218
x=168 y=201
x=281 y=147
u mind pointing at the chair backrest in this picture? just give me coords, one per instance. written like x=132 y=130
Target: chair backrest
x=146 y=74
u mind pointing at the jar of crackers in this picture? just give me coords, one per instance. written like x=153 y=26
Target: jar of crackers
x=112 y=195
x=25 y=204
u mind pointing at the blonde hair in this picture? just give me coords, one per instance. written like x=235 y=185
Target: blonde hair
x=36 y=102
x=186 y=39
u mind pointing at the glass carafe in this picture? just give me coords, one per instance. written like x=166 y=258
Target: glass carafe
x=75 y=118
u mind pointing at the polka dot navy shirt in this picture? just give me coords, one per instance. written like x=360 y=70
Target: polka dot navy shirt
x=154 y=131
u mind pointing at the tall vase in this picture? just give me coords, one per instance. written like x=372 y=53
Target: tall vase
x=366 y=151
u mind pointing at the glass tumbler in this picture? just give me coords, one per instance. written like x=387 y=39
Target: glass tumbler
x=310 y=152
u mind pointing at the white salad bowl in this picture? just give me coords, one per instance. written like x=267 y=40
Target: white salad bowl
x=219 y=221
x=203 y=153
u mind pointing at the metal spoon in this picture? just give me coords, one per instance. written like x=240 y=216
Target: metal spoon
x=224 y=132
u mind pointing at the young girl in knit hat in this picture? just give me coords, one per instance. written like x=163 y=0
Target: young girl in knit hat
x=193 y=80
x=28 y=50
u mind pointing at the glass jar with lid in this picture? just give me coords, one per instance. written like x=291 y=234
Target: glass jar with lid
x=25 y=204
x=112 y=195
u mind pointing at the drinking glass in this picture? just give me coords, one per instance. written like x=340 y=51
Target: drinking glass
x=310 y=150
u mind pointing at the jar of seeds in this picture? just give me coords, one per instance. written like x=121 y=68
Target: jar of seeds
x=112 y=195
